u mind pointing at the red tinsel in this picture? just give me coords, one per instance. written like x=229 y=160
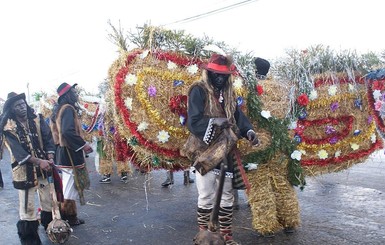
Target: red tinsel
x=336 y=160
x=303 y=100
x=303 y=124
x=93 y=122
x=342 y=80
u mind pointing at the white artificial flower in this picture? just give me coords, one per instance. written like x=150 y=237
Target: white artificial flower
x=251 y=166
x=354 y=146
x=142 y=126
x=351 y=87
x=192 y=69
x=376 y=94
x=131 y=79
x=313 y=94
x=171 y=65
x=296 y=155
x=144 y=54
x=266 y=114
x=163 y=136
x=128 y=103
x=292 y=125
x=238 y=83
x=322 y=154
x=332 y=90
x=337 y=154
x=373 y=138
x=303 y=152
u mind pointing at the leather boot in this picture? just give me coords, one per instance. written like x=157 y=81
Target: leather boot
x=28 y=232
x=203 y=218
x=68 y=211
x=169 y=180
x=225 y=218
x=186 y=177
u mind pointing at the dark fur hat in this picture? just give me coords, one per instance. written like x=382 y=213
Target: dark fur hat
x=262 y=66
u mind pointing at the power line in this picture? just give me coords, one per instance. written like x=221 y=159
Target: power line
x=215 y=11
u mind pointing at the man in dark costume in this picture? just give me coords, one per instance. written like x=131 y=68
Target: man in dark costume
x=71 y=148
x=215 y=123
x=30 y=142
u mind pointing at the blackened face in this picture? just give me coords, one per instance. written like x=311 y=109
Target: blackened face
x=218 y=80
x=73 y=95
x=20 y=109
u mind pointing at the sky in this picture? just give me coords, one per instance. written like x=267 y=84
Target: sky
x=46 y=42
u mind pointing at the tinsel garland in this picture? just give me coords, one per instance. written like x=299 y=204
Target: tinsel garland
x=93 y=120
x=302 y=124
x=336 y=160
x=319 y=103
x=342 y=80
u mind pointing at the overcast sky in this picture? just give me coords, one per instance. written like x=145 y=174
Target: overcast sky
x=45 y=43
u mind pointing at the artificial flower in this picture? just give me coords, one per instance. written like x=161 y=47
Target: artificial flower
x=322 y=154
x=259 y=89
x=358 y=103
x=266 y=114
x=303 y=152
x=373 y=138
x=334 y=106
x=370 y=119
x=192 y=69
x=351 y=87
x=356 y=132
x=142 y=126
x=144 y=54
x=177 y=83
x=292 y=125
x=131 y=79
x=163 y=136
x=302 y=115
x=151 y=91
x=313 y=95
x=333 y=140
x=378 y=85
x=330 y=130
x=297 y=138
x=128 y=103
x=237 y=83
x=338 y=153
x=377 y=105
x=332 y=90
x=303 y=100
x=354 y=146
x=251 y=166
x=377 y=94
x=171 y=65
x=182 y=120
x=296 y=155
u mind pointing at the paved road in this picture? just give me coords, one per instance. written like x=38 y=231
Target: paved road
x=340 y=208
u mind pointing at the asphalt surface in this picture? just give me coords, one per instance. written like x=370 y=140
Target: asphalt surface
x=340 y=208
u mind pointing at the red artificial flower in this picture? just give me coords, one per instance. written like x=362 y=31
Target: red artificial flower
x=303 y=100
x=378 y=85
x=86 y=105
x=259 y=89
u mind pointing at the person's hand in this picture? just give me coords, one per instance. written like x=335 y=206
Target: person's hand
x=45 y=164
x=221 y=122
x=252 y=137
x=87 y=149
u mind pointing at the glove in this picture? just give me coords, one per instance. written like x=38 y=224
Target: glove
x=252 y=137
x=221 y=122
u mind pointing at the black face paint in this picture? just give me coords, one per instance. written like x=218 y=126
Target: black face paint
x=218 y=80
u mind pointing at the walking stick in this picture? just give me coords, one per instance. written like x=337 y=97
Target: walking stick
x=58 y=230
x=1 y=180
x=213 y=235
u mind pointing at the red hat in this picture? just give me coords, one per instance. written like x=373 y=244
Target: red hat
x=219 y=64
x=64 y=88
